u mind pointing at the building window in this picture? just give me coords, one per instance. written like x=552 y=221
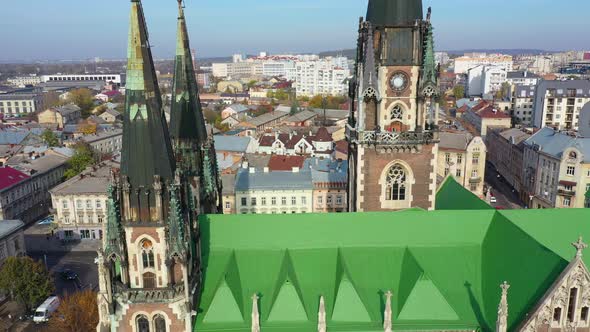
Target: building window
x=571 y=308
x=557 y=315
x=159 y=323
x=329 y=200
x=320 y=199
x=64 y=204
x=395 y=189
x=143 y=325
x=567 y=201
x=571 y=170
x=147 y=254
x=338 y=200
x=472 y=186
x=459 y=159
x=447 y=170
x=78 y=204
x=448 y=158
x=475 y=159
x=227 y=205
x=100 y=219
x=149 y=280
x=244 y=201
x=584 y=314
x=293 y=200
x=458 y=173
x=263 y=201
x=273 y=201
x=84 y=234
x=283 y=200
x=88 y=204
x=253 y=201
x=474 y=174
x=98 y=204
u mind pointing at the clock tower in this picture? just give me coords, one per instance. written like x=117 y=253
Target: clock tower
x=392 y=129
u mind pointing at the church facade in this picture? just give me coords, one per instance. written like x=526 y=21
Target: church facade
x=392 y=125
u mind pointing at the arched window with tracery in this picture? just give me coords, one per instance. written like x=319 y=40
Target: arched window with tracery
x=397 y=113
x=395 y=189
x=396 y=116
x=143 y=325
x=149 y=280
x=147 y=254
x=159 y=323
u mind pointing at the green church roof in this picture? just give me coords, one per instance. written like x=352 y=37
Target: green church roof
x=444 y=267
x=453 y=196
x=394 y=12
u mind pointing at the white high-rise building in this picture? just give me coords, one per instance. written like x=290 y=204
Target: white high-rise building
x=484 y=80
x=326 y=76
x=464 y=63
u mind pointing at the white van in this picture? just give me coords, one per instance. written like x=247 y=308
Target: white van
x=45 y=310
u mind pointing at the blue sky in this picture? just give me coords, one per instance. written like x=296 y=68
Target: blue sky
x=81 y=29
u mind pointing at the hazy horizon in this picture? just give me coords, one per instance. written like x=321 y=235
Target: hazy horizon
x=69 y=30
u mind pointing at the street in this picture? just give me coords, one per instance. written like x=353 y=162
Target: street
x=505 y=196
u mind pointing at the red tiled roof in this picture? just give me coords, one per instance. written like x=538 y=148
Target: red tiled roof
x=111 y=93
x=492 y=113
x=322 y=135
x=482 y=104
x=10 y=176
x=463 y=109
x=342 y=146
x=285 y=163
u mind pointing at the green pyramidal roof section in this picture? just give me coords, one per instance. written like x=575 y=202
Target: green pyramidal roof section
x=224 y=307
x=443 y=267
x=453 y=196
x=146 y=148
x=426 y=302
x=394 y=12
x=186 y=116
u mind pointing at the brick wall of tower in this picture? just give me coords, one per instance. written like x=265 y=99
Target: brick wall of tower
x=150 y=310
x=375 y=160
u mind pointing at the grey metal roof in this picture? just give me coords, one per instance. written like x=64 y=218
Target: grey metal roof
x=515 y=135
x=9 y=227
x=267 y=117
x=8 y=137
x=273 y=180
x=67 y=109
x=301 y=116
x=89 y=182
x=231 y=143
x=456 y=141
x=554 y=143
x=325 y=170
x=229 y=184
x=524 y=91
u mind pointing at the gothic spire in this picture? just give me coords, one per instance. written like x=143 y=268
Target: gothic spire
x=370 y=80
x=186 y=116
x=502 y=321
x=147 y=152
x=429 y=62
x=394 y=12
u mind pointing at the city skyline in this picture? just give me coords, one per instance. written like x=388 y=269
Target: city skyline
x=243 y=28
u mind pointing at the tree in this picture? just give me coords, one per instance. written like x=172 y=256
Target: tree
x=77 y=312
x=459 y=91
x=26 y=281
x=84 y=99
x=210 y=115
x=87 y=128
x=50 y=138
x=82 y=158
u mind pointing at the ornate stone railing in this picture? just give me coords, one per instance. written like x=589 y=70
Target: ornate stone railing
x=389 y=138
x=142 y=295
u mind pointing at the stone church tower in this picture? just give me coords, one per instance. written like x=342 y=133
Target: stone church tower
x=149 y=266
x=392 y=126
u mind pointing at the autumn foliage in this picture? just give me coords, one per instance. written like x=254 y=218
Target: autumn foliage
x=77 y=312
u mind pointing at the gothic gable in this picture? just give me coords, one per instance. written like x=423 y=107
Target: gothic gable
x=566 y=305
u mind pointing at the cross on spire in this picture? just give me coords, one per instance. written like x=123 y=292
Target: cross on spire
x=580 y=246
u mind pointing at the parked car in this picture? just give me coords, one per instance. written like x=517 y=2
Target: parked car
x=45 y=310
x=493 y=200
x=68 y=274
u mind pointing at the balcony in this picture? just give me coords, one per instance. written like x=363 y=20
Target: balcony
x=563 y=192
x=475 y=180
x=143 y=295
x=389 y=138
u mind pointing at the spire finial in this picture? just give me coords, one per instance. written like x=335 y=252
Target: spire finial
x=502 y=321
x=580 y=246
x=255 y=314
x=387 y=315
x=322 y=316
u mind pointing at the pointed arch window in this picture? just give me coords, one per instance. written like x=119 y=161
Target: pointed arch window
x=397 y=113
x=395 y=189
x=159 y=323
x=143 y=325
x=147 y=254
x=571 y=308
x=149 y=280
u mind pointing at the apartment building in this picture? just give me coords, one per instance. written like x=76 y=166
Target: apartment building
x=12 y=239
x=557 y=169
x=16 y=102
x=60 y=116
x=80 y=204
x=23 y=81
x=463 y=157
x=330 y=184
x=522 y=78
x=484 y=80
x=485 y=117
x=326 y=76
x=106 y=141
x=523 y=100
x=115 y=78
x=558 y=103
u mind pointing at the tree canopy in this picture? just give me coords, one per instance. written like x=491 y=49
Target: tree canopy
x=25 y=281
x=459 y=91
x=82 y=158
x=332 y=102
x=77 y=312
x=50 y=138
x=84 y=99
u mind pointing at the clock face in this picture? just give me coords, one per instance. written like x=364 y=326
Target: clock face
x=398 y=81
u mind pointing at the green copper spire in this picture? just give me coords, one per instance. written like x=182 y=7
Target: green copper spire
x=177 y=244
x=113 y=237
x=429 y=64
x=186 y=116
x=146 y=152
x=394 y=12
